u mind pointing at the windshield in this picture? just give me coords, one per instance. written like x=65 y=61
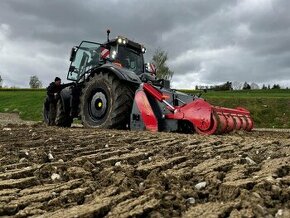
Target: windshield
x=87 y=56
x=130 y=59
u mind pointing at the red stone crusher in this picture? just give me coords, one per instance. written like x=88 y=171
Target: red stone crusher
x=113 y=88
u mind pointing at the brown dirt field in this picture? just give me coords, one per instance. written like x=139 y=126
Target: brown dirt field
x=8 y=118
x=76 y=172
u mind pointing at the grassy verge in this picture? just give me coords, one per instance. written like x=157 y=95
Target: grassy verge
x=266 y=112
x=269 y=108
x=26 y=102
x=272 y=93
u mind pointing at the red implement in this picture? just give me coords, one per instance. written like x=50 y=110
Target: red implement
x=206 y=119
x=147 y=113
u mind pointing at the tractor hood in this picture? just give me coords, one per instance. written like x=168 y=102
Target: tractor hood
x=122 y=73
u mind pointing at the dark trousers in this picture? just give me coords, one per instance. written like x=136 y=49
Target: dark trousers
x=52 y=113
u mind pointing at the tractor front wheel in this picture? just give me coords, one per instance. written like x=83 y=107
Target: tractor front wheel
x=106 y=102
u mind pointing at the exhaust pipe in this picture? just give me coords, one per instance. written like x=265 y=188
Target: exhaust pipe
x=108 y=35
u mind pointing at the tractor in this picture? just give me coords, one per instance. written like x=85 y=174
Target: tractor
x=113 y=88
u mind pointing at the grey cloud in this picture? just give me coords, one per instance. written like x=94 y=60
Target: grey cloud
x=207 y=41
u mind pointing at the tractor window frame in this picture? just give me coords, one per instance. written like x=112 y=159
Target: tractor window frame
x=79 y=71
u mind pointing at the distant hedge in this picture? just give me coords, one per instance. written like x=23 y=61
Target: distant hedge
x=21 y=89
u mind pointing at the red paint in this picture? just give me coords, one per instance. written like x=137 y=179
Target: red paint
x=105 y=53
x=118 y=64
x=198 y=112
x=152 y=91
x=207 y=119
x=146 y=111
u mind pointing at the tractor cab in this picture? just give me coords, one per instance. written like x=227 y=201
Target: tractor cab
x=119 y=52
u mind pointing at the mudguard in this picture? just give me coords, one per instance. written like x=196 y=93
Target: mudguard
x=121 y=73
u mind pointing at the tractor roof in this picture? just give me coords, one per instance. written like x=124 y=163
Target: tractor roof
x=125 y=41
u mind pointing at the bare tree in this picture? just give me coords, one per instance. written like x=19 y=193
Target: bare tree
x=162 y=70
x=1 y=81
x=34 y=82
x=246 y=86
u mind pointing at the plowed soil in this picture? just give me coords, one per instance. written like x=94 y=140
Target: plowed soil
x=77 y=172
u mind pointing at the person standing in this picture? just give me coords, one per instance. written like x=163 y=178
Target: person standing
x=53 y=91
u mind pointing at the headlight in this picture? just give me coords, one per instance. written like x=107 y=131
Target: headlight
x=124 y=41
x=119 y=40
x=143 y=49
x=114 y=53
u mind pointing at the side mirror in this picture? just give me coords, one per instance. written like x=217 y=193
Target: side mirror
x=150 y=68
x=73 y=54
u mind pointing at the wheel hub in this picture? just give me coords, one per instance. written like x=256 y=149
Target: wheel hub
x=98 y=105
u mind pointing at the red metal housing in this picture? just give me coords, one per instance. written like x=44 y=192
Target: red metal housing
x=205 y=118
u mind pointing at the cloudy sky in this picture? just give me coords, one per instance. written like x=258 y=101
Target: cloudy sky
x=208 y=42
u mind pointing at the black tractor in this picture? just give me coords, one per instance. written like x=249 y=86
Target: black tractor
x=106 y=76
x=113 y=88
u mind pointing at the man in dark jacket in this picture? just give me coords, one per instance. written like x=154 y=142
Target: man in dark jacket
x=53 y=91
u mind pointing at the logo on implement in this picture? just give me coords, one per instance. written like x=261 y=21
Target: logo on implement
x=105 y=53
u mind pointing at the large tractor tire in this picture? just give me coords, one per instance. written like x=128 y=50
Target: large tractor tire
x=106 y=102
x=63 y=118
x=45 y=111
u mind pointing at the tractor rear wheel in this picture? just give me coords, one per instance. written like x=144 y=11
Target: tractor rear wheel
x=63 y=119
x=45 y=111
x=106 y=102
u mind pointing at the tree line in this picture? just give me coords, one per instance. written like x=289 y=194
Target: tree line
x=159 y=59
x=229 y=86
x=34 y=82
x=163 y=71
